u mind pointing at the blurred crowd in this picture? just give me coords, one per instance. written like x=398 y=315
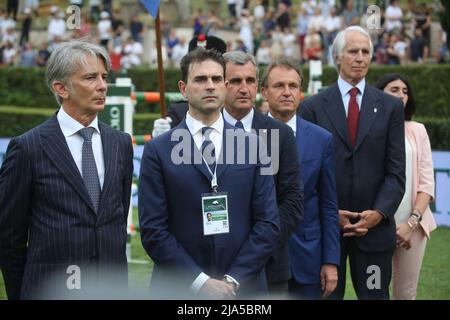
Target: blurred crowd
x=268 y=30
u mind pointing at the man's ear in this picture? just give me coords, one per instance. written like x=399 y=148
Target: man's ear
x=60 y=89
x=263 y=93
x=182 y=88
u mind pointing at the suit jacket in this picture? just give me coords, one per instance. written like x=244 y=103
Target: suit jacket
x=289 y=190
x=171 y=222
x=423 y=174
x=316 y=240
x=47 y=219
x=370 y=176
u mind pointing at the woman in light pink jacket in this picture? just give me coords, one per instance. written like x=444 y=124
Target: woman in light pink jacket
x=414 y=218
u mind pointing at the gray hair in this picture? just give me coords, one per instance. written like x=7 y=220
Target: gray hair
x=340 y=42
x=283 y=62
x=240 y=58
x=68 y=57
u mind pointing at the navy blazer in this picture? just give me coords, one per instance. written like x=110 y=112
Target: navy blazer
x=171 y=222
x=47 y=220
x=316 y=240
x=370 y=176
x=289 y=190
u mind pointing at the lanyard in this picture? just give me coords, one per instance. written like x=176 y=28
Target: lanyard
x=214 y=184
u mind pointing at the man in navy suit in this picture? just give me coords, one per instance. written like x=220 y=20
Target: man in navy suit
x=181 y=171
x=241 y=77
x=65 y=189
x=314 y=246
x=369 y=143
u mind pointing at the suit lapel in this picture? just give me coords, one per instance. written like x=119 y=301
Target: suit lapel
x=110 y=153
x=335 y=110
x=55 y=146
x=302 y=136
x=369 y=109
x=195 y=152
x=221 y=165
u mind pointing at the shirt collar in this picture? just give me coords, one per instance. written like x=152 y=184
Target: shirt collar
x=291 y=123
x=344 y=86
x=70 y=126
x=246 y=121
x=195 y=125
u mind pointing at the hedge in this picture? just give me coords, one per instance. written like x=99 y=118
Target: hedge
x=26 y=87
x=15 y=121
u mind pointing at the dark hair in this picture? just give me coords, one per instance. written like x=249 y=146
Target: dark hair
x=410 y=107
x=286 y=63
x=199 y=55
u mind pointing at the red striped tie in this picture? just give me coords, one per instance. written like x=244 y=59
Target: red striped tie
x=353 y=115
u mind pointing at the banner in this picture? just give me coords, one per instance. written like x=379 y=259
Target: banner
x=441 y=163
x=151 y=6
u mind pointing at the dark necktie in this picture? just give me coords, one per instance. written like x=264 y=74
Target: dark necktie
x=208 y=149
x=353 y=115
x=239 y=125
x=89 y=168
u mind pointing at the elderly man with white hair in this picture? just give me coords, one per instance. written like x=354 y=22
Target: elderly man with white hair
x=369 y=143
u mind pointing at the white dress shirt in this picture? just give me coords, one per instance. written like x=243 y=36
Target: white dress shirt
x=291 y=123
x=70 y=127
x=195 y=128
x=246 y=121
x=344 y=88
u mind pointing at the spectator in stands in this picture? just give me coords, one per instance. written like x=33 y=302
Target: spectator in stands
x=394 y=16
x=9 y=54
x=136 y=28
x=94 y=9
x=263 y=55
x=413 y=218
x=313 y=46
x=302 y=30
x=419 y=48
x=43 y=55
x=26 y=25
x=132 y=54
x=422 y=20
x=104 y=28
x=117 y=26
x=282 y=17
x=12 y=8
x=349 y=16
x=57 y=25
x=27 y=56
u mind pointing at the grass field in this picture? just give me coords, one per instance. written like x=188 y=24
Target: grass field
x=434 y=282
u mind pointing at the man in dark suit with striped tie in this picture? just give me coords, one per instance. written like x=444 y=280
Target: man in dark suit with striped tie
x=65 y=189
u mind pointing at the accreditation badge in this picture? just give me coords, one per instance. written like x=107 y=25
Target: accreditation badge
x=215 y=213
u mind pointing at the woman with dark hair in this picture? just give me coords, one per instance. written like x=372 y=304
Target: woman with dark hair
x=414 y=218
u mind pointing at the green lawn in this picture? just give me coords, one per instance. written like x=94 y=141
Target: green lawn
x=434 y=282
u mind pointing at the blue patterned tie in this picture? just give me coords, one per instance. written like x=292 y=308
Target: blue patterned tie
x=239 y=125
x=89 y=168
x=208 y=149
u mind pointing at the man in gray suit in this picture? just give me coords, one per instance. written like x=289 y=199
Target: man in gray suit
x=65 y=189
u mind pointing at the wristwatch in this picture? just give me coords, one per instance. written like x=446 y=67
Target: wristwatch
x=418 y=216
x=230 y=280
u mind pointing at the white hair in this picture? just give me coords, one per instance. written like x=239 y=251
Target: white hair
x=341 y=39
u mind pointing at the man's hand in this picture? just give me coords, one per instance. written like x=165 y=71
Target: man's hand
x=367 y=220
x=404 y=236
x=161 y=126
x=345 y=224
x=218 y=289
x=328 y=279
